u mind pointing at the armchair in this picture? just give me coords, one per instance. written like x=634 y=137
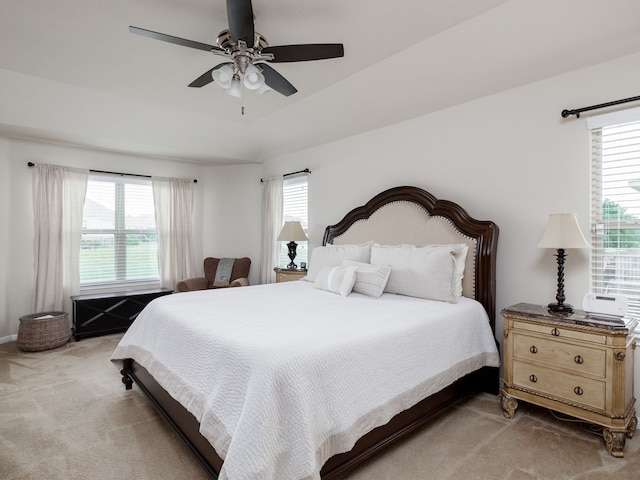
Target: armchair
x=238 y=278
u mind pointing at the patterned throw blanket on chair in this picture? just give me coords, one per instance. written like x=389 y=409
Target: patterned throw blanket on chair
x=223 y=273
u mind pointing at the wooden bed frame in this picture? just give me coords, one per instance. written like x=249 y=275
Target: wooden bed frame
x=483 y=234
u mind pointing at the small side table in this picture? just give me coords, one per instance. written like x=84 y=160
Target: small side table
x=577 y=364
x=289 y=274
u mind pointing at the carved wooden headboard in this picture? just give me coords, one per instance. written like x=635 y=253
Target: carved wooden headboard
x=410 y=215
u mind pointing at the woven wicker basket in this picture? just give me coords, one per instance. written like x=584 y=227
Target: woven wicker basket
x=42 y=331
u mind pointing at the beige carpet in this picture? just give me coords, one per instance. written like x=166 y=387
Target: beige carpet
x=64 y=414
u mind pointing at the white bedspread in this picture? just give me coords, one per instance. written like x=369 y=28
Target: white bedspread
x=283 y=376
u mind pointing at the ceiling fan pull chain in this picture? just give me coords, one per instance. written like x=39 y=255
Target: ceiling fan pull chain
x=242 y=93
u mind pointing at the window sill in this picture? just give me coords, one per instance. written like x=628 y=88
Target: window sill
x=117 y=287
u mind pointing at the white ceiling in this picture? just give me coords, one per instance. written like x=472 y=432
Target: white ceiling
x=71 y=72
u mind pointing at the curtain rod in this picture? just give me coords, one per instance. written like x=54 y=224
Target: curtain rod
x=195 y=180
x=306 y=170
x=577 y=111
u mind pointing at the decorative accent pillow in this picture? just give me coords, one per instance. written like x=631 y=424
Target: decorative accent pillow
x=334 y=255
x=370 y=279
x=428 y=271
x=336 y=279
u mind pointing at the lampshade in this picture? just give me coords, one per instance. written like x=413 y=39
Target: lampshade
x=292 y=232
x=263 y=89
x=253 y=78
x=563 y=231
x=223 y=76
x=235 y=90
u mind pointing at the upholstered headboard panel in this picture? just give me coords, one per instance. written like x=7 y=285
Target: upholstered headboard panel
x=409 y=215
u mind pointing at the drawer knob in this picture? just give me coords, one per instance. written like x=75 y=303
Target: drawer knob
x=533 y=349
x=555 y=332
x=620 y=356
x=578 y=391
x=533 y=378
x=578 y=359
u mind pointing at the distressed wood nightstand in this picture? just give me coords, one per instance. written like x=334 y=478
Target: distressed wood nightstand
x=289 y=274
x=577 y=364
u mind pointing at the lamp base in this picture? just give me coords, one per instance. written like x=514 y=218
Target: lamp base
x=560 y=308
x=292 y=255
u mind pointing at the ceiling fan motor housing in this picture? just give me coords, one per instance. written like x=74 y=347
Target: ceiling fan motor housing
x=225 y=41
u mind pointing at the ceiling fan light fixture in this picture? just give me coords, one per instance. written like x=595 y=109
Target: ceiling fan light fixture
x=263 y=89
x=223 y=76
x=246 y=52
x=235 y=88
x=253 y=78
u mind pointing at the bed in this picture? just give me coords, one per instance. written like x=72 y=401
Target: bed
x=285 y=372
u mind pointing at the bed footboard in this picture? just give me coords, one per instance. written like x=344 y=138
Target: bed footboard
x=187 y=427
x=182 y=421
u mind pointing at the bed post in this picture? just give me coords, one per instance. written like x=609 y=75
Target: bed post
x=126 y=369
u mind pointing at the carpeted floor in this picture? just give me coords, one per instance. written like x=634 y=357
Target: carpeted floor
x=64 y=414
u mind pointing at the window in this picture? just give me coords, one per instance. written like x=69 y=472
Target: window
x=295 y=208
x=119 y=240
x=615 y=208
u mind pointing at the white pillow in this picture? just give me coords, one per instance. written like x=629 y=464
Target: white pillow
x=421 y=271
x=460 y=251
x=334 y=255
x=336 y=279
x=370 y=279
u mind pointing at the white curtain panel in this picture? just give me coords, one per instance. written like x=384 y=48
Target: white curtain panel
x=58 y=201
x=271 y=226
x=173 y=199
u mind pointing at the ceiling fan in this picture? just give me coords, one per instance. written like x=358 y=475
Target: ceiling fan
x=248 y=52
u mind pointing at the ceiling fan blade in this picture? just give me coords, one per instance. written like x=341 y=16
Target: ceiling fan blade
x=175 y=40
x=240 y=17
x=303 y=53
x=276 y=81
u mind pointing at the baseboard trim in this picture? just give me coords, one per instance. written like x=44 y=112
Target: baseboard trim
x=9 y=338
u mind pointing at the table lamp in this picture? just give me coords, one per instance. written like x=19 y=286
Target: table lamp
x=292 y=232
x=562 y=232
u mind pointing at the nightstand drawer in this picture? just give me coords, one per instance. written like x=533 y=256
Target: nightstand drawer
x=559 y=384
x=577 y=358
x=560 y=333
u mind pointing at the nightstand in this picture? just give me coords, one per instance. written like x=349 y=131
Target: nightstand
x=289 y=274
x=577 y=364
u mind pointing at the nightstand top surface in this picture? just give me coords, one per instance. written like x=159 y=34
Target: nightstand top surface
x=578 y=318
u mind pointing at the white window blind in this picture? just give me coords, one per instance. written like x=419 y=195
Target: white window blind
x=119 y=239
x=615 y=208
x=295 y=201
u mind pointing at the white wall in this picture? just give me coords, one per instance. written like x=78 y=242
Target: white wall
x=232 y=214
x=16 y=210
x=509 y=158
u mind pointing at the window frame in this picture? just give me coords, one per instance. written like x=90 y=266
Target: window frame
x=605 y=271
x=289 y=214
x=120 y=233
